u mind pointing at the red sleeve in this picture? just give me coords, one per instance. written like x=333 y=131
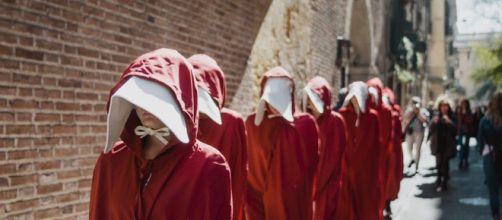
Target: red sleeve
x=220 y=191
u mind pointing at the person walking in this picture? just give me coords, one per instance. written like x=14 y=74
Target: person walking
x=490 y=147
x=443 y=132
x=415 y=120
x=465 y=130
x=153 y=167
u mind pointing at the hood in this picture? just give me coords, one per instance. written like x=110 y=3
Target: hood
x=319 y=92
x=359 y=90
x=390 y=94
x=377 y=84
x=277 y=89
x=211 y=85
x=161 y=82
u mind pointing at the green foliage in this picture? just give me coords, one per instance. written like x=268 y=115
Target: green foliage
x=489 y=70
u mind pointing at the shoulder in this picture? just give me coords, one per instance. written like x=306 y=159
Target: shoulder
x=304 y=118
x=372 y=114
x=119 y=154
x=231 y=116
x=212 y=159
x=208 y=153
x=231 y=113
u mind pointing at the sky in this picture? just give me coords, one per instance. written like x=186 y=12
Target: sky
x=474 y=16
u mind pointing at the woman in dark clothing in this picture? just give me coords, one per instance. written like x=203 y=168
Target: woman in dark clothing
x=465 y=131
x=443 y=132
x=490 y=146
x=477 y=116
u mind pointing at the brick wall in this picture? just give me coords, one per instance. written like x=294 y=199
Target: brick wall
x=58 y=60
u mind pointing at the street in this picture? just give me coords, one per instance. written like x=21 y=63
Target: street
x=466 y=197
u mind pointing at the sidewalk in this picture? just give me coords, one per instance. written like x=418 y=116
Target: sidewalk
x=466 y=198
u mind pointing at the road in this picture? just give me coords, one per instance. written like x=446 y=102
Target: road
x=466 y=197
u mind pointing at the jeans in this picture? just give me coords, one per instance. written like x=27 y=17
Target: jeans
x=463 y=141
x=414 y=140
x=443 y=167
x=492 y=183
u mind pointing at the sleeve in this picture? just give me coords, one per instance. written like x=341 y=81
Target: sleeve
x=96 y=196
x=481 y=136
x=239 y=169
x=220 y=190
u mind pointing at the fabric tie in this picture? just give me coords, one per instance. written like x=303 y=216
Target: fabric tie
x=143 y=131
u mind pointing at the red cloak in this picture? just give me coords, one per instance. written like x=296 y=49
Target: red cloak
x=332 y=151
x=185 y=181
x=360 y=195
x=396 y=161
x=229 y=137
x=385 y=124
x=282 y=163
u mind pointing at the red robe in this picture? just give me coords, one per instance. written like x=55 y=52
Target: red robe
x=282 y=163
x=185 y=181
x=332 y=151
x=229 y=137
x=385 y=118
x=396 y=165
x=360 y=195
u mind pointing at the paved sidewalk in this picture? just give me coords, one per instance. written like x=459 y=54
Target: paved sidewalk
x=466 y=197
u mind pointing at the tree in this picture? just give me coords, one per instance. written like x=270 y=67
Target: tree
x=488 y=71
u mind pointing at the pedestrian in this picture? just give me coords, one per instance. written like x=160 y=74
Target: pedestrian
x=359 y=197
x=490 y=146
x=384 y=112
x=317 y=102
x=283 y=153
x=443 y=132
x=465 y=130
x=477 y=116
x=221 y=127
x=158 y=169
x=415 y=121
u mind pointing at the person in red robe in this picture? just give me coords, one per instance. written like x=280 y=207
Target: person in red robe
x=317 y=102
x=360 y=195
x=221 y=127
x=385 y=123
x=396 y=151
x=159 y=170
x=282 y=152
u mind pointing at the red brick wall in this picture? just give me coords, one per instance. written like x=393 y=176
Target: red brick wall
x=58 y=60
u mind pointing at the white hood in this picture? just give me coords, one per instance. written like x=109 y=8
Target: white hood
x=277 y=93
x=150 y=96
x=360 y=91
x=314 y=97
x=208 y=106
x=373 y=91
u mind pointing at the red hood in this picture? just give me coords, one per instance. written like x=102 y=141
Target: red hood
x=322 y=88
x=209 y=76
x=376 y=83
x=392 y=97
x=170 y=69
x=279 y=72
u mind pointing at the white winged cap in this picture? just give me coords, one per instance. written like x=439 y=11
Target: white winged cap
x=150 y=96
x=277 y=93
x=314 y=97
x=359 y=90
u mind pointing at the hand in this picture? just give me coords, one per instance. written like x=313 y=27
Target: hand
x=436 y=119
x=415 y=110
x=446 y=119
